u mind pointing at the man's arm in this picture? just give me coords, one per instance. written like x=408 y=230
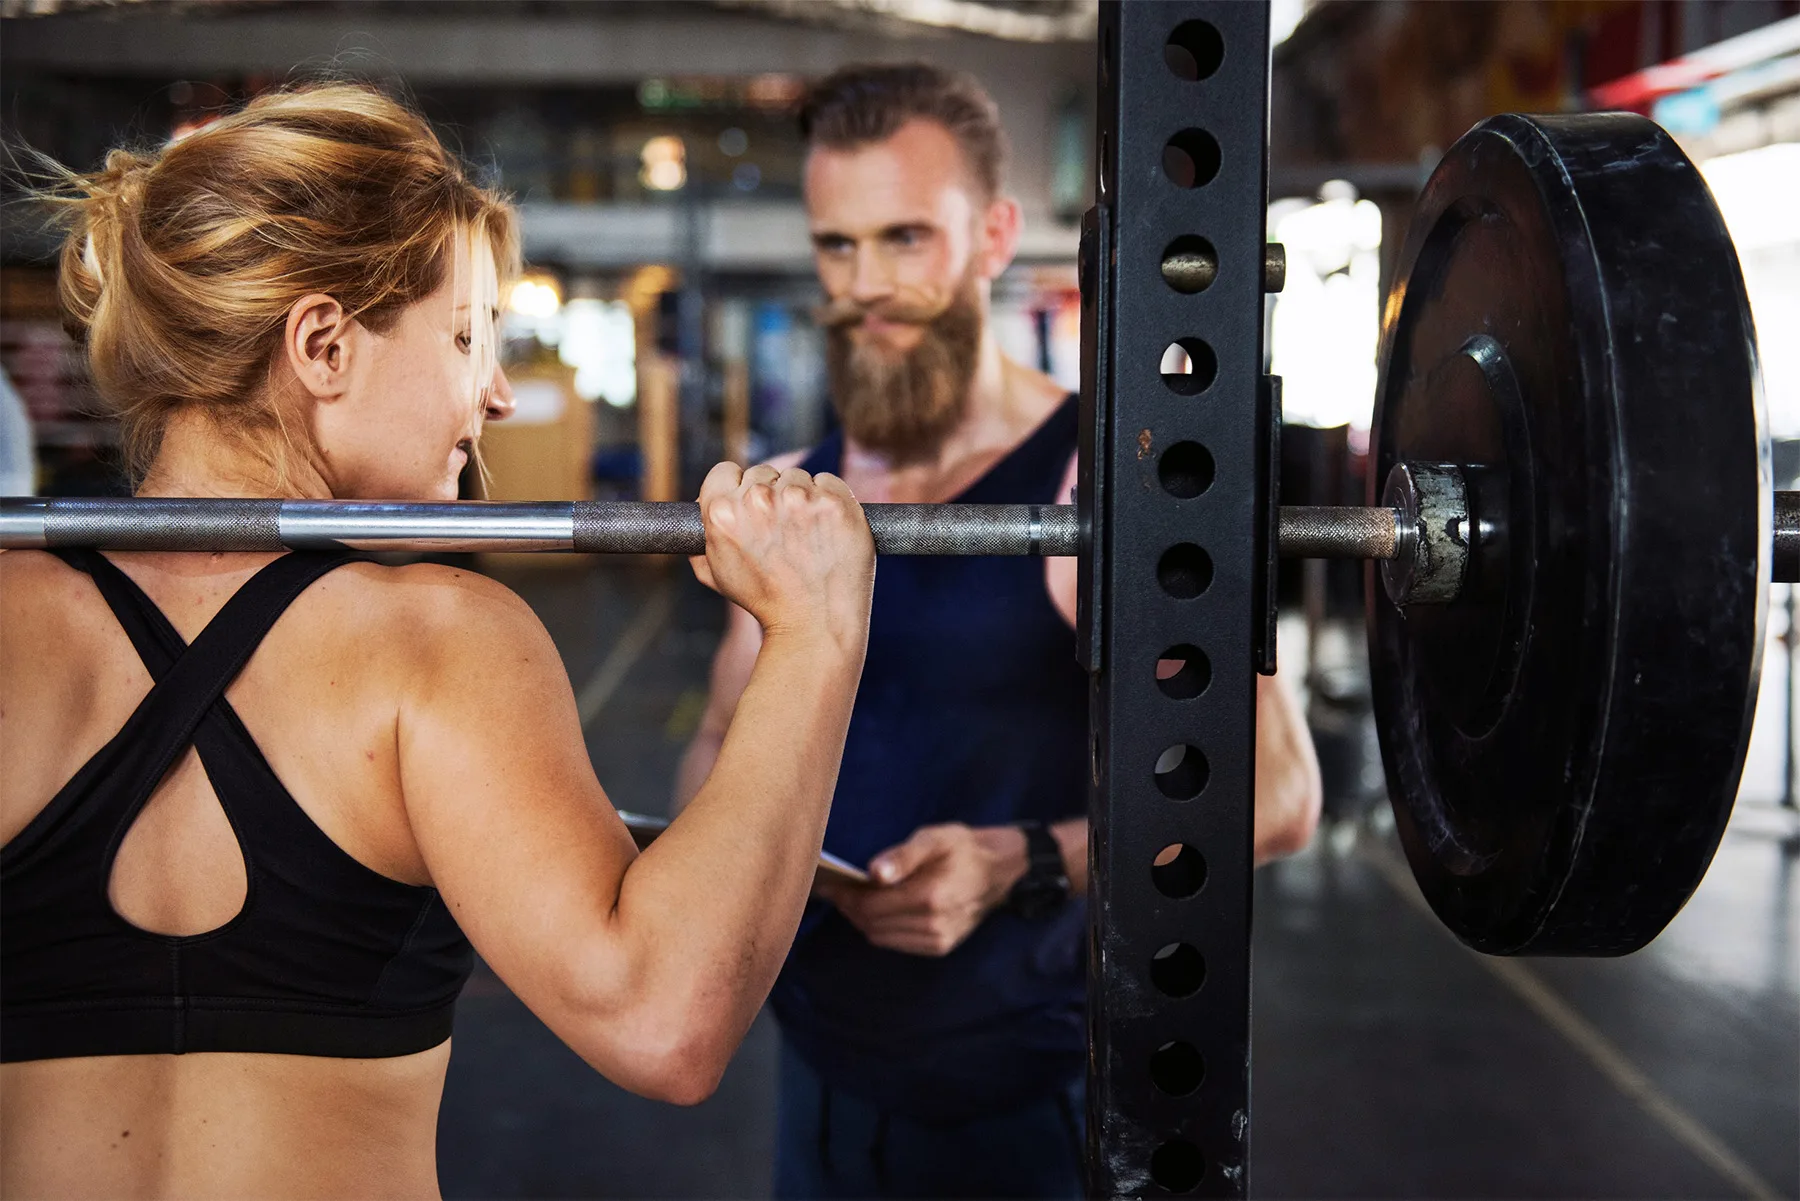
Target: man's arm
x=934 y=889
x=1288 y=791
x=937 y=886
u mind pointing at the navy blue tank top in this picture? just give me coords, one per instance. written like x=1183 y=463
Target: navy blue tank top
x=326 y=957
x=972 y=709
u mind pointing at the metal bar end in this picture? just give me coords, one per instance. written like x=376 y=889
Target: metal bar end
x=22 y=523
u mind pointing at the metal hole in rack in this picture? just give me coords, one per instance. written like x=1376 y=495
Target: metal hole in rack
x=1181 y=772
x=1185 y=470
x=1177 y=1068
x=1191 y=158
x=1179 y=871
x=1177 y=970
x=1188 y=366
x=1194 y=51
x=1183 y=671
x=1184 y=571
x=1178 y=1166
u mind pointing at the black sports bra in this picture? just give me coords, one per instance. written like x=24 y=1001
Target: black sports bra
x=326 y=957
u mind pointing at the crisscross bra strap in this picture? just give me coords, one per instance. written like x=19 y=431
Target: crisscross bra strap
x=158 y=642
x=188 y=682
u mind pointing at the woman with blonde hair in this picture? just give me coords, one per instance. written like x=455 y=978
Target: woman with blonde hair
x=259 y=811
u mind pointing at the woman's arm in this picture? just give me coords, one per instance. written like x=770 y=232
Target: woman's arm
x=650 y=966
x=731 y=667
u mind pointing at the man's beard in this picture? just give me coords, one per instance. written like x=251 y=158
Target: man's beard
x=904 y=404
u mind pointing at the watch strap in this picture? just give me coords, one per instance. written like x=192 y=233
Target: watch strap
x=1045 y=884
x=1043 y=854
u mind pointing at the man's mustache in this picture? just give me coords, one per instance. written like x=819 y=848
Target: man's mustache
x=845 y=313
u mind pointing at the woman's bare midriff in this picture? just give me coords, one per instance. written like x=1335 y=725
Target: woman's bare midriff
x=221 y=1125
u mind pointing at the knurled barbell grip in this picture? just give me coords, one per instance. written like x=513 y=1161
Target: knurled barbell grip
x=674 y=528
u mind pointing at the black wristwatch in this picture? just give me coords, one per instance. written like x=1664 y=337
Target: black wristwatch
x=1044 y=887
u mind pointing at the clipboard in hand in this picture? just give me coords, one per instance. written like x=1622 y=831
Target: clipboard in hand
x=645 y=828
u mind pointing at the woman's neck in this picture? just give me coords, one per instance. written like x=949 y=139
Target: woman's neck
x=197 y=458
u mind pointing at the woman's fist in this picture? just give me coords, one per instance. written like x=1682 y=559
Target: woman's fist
x=790 y=548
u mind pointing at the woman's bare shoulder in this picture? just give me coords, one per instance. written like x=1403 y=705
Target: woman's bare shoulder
x=21 y=568
x=38 y=585
x=429 y=607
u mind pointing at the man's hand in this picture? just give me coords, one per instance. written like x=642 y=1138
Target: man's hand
x=931 y=891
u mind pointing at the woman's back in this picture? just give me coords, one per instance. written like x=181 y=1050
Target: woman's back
x=230 y=970
x=320 y=697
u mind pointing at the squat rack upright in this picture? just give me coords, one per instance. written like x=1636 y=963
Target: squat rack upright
x=1180 y=568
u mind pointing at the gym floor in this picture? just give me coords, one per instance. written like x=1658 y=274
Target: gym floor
x=1389 y=1061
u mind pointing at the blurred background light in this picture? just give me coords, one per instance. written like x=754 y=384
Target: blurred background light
x=535 y=296
x=1325 y=326
x=665 y=163
x=1757 y=191
x=599 y=340
x=1284 y=16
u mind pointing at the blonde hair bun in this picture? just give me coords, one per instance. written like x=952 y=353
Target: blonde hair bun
x=179 y=265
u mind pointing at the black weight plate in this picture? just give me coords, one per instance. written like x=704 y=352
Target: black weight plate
x=1563 y=742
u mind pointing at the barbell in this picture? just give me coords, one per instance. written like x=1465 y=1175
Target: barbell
x=1419 y=542
x=1423 y=541
x=1570 y=514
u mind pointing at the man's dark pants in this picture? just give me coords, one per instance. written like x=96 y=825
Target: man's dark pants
x=830 y=1144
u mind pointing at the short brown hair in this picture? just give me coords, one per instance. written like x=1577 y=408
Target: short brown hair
x=181 y=261
x=869 y=103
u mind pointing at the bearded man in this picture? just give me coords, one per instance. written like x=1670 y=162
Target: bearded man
x=934 y=1040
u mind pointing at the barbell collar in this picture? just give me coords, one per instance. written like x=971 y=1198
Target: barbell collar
x=1432 y=500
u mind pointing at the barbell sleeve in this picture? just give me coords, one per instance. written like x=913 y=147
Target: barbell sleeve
x=1340 y=532
x=1785 y=554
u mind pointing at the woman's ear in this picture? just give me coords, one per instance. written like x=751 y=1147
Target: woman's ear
x=318 y=346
